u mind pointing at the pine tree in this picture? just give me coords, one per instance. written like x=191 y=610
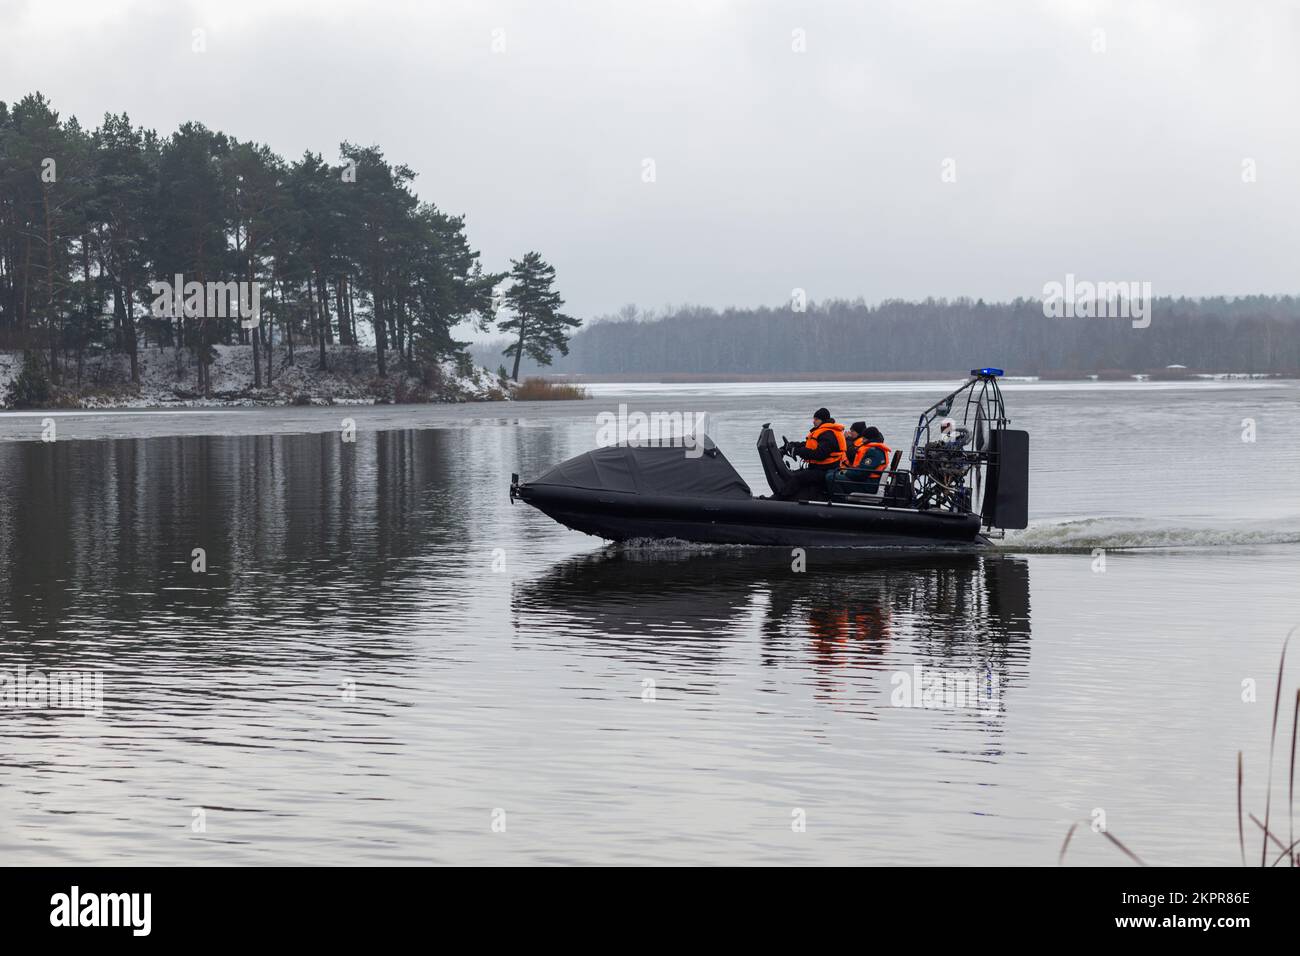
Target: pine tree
x=31 y=387
x=537 y=324
x=123 y=212
x=191 y=235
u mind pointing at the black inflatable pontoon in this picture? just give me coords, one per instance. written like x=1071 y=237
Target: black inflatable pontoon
x=951 y=493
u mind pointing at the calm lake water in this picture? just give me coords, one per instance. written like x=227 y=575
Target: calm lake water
x=382 y=658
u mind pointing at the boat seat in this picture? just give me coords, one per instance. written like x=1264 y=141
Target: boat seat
x=867 y=497
x=897 y=485
x=775 y=469
x=863 y=492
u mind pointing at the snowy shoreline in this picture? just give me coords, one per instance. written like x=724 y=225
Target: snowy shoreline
x=167 y=380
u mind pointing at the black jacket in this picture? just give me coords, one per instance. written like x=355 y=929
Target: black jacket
x=827 y=445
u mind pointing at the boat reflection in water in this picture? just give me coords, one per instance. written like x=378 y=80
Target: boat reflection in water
x=849 y=625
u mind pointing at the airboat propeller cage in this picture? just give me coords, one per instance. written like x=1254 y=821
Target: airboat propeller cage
x=998 y=456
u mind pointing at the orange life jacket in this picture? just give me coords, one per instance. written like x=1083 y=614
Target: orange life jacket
x=837 y=457
x=860 y=446
x=877 y=472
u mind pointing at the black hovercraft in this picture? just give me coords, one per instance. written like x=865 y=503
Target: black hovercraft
x=957 y=490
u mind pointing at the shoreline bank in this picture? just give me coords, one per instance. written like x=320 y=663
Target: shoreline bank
x=167 y=380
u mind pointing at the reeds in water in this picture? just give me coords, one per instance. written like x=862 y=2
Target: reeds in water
x=540 y=390
x=1285 y=849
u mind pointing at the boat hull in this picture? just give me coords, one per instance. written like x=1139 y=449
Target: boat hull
x=620 y=516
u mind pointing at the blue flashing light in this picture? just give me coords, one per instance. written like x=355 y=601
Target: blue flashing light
x=987 y=372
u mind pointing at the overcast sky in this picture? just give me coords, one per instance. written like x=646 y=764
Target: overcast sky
x=774 y=169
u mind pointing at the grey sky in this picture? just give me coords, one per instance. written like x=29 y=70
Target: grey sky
x=774 y=169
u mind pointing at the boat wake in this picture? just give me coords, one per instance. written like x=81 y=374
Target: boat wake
x=669 y=546
x=1062 y=537
x=1131 y=534
x=657 y=547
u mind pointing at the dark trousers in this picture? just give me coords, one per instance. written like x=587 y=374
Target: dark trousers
x=806 y=483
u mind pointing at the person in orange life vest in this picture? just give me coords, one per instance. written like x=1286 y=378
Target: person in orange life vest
x=822 y=452
x=855 y=442
x=868 y=457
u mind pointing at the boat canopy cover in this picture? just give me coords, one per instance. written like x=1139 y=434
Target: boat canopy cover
x=651 y=470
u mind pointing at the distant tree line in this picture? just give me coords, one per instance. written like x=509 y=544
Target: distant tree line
x=342 y=252
x=1246 y=334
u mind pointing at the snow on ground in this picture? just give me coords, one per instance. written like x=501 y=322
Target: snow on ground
x=170 y=380
x=11 y=363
